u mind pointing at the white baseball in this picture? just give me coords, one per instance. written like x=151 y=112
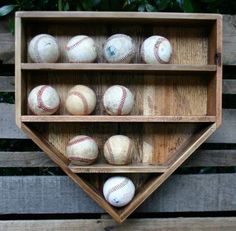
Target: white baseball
x=118 y=150
x=82 y=150
x=119 y=48
x=44 y=48
x=81 y=100
x=81 y=49
x=43 y=100
x=156 y=50
x=118 y=100
x=118 y=191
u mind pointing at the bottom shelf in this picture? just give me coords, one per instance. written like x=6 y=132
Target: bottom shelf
x=107 y=168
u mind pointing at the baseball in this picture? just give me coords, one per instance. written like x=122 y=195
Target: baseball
x=81 y=49
x=118 y=191
x=82 y=150
x=43 y=100
x=118 y=100
x=44 y=48
x=81 y=100
x=156 y=50
x=119 y=48
x=118 y=150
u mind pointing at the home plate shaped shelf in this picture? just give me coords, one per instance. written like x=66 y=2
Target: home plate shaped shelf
x=177 y=105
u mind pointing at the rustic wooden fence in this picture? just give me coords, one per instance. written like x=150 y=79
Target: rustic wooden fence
x=55 y=196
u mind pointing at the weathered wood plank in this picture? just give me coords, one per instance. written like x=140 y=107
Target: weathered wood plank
x=171 y=224
x=8 y=128
x=25 y=159
x=229 y=39
x=229 y=28
x=201 y=158
x=229 y=86
x=181 y=193
x=225 y=134
x=7 y=48
x=7 y=84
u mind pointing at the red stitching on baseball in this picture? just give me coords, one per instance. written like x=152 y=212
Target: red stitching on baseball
x=78 y=140
x=124 y=95
x=76 y=44
x=40 y=102
x=85 y=103
x=109 y=149
x=82 y=159
x=117 y=187
x=156 y=50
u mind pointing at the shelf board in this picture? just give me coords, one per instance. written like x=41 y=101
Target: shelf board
x=142 y=67
x=107 y=118
x=107 y=168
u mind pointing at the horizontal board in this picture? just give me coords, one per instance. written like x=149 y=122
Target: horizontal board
x=171 y=224
x=201 y=158
x=7 y=84
x=181 y=193
x=225 y=134
x=7 y=43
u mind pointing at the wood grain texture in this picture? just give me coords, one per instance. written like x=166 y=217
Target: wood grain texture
x=181 y=193
x=170 y=224
x=175 y=68
x=200 y=158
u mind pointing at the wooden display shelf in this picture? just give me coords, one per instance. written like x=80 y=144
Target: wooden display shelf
x=119 y=67
x=103 y=118
x=106 y=168
x=177 y=105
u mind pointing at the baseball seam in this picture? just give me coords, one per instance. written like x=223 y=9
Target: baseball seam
x=68 y=48
x=109 y=149
x=40 y=103
x=122 y=101
x=117 y=187
x=156 y=50
x=78 y=140
x=82 y=97
x=130 y=53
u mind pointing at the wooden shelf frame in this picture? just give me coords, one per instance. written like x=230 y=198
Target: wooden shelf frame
x=213 y=23
x=134 y=67
x=104 y=118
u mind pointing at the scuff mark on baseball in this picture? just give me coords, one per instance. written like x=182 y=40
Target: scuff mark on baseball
x=81 y=49
x=44 y=48
x=119 y=48
x=118 y=191
x=118 y=150
x=81 y=100
x=156 y=50
x=82 y=150
x=118 y=100
x=43 y=100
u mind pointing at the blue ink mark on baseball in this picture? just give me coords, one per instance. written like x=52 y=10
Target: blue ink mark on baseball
x=111 y=51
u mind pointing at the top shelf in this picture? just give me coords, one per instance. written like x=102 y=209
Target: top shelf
x=118 y=67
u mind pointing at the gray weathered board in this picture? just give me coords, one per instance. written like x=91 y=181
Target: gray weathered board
x=57 y=194
x=171 y=224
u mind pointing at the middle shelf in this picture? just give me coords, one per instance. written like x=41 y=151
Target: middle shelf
x=107 y=118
